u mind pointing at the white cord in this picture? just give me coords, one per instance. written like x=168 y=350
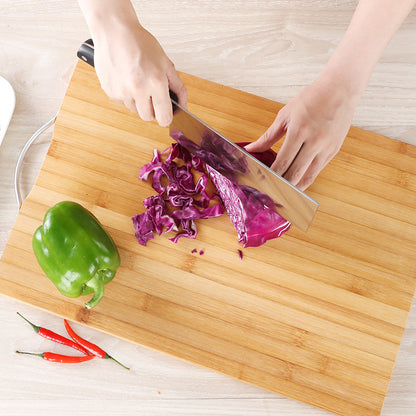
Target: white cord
x=21 y=157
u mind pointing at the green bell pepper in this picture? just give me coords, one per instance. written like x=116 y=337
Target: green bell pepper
x=75 y=252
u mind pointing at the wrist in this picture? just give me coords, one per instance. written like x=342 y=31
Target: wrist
x=349 y=68
x=105 y=18
x=334 y=91
x=340 y=80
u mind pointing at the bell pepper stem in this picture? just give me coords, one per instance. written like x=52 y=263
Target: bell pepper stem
x=97 y=284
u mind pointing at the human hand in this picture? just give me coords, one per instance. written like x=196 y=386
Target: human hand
x=134 y=70
x=315 y=122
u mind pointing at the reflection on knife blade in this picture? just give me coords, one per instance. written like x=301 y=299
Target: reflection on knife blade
x=231 y=163
x=252 y=212
x=240 y=167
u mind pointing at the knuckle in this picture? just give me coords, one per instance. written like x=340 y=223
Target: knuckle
x=332 y=152
x=267 y=137
x=137 y=85
x=306 y=182
x=295 y=176
x=183 y=91
x=280 y=166
x=156 y=79
x=305 y=132
x=170 y=65
x=309 y=179
x=281 y=116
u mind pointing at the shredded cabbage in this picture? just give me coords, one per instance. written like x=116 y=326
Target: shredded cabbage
x=181 y=200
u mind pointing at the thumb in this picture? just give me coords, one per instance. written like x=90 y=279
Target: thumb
x=274 y=133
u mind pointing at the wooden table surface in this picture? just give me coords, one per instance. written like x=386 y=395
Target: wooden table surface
x=269 y=48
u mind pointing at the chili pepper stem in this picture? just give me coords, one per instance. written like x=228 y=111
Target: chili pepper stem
x=118 y=362
x=59 y=358
x=30 y=353
x=35 y=327
x=92 y=348
x=53 y=336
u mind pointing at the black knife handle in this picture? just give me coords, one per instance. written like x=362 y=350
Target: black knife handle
x=86 y=53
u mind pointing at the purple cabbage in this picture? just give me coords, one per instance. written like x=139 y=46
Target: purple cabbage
x=251 y=211
x=230 y=162
x=178 y=203
x=182 y=200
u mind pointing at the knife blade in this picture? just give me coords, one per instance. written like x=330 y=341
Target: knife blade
x=240 y=167
x=231 y=160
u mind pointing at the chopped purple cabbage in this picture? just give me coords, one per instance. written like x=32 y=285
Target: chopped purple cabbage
x=178 y=203
x=252 y=212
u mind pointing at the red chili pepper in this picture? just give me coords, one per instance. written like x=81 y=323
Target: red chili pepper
x=46 y=333
x=58 y=358
x=89 y=346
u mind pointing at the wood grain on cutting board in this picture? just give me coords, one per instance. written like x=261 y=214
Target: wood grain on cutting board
x=317 y=317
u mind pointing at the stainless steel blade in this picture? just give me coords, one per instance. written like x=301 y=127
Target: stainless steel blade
x=240 y=167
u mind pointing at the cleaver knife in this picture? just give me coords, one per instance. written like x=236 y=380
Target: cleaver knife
x=231 y=160
x=240 y=167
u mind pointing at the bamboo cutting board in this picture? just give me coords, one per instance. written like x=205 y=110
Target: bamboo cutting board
x=317 y=317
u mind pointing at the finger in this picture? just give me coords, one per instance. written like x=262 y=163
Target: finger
x=177 y=86
x=144 y=107
x=131 y=105
x=296 y=171
x=287 y=153
x=274 y=133
x=162 y=106
x=314 y=170
x=317 y=164
x=115 y=99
